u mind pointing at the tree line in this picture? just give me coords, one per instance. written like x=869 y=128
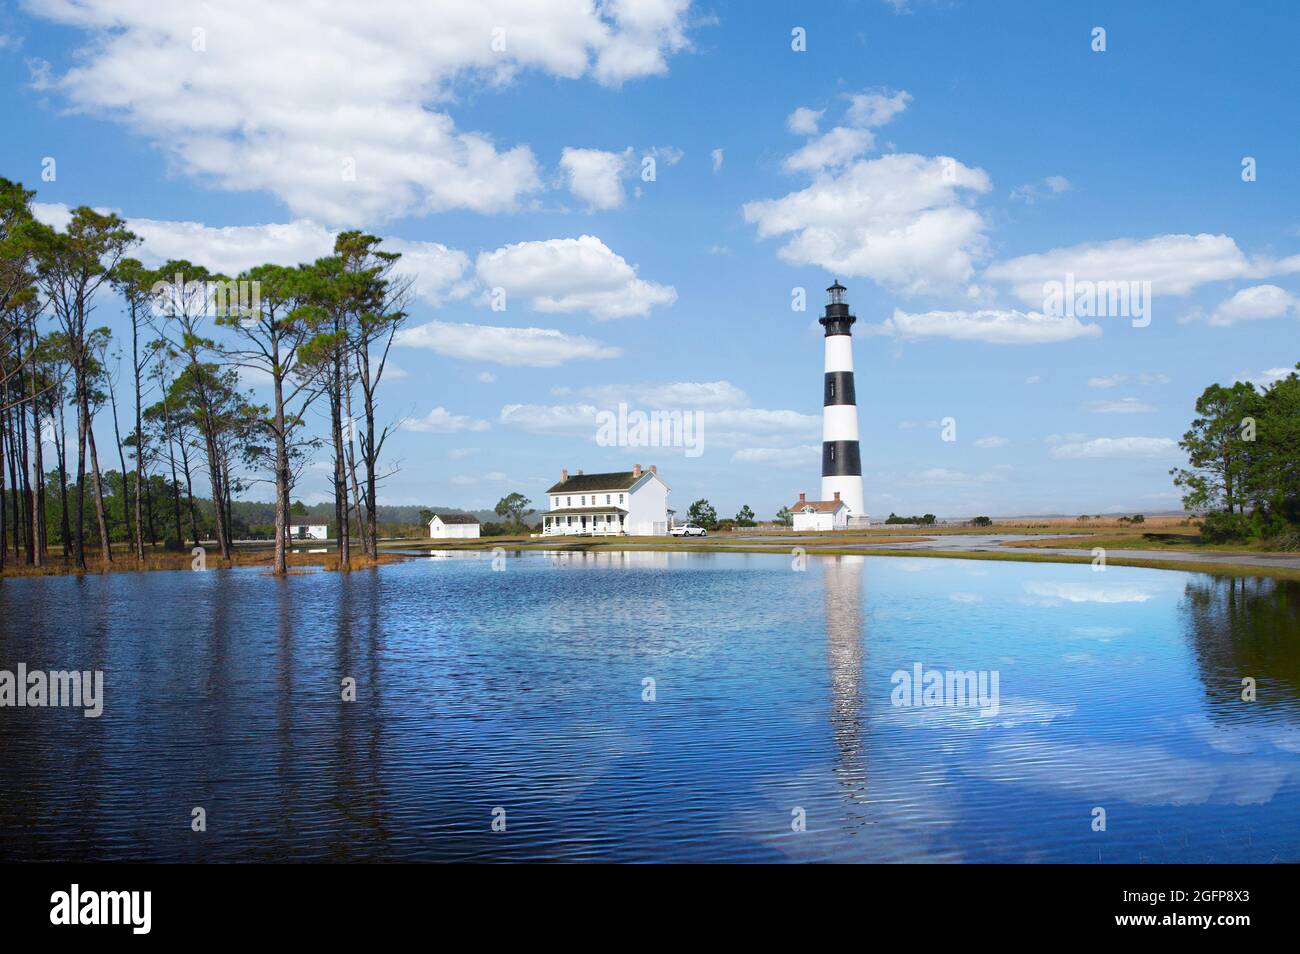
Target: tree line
x=318 y=334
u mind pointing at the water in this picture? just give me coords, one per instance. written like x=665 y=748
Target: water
x=523 y=690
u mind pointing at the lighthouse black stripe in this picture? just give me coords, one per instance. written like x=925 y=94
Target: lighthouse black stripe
x=838 y=388
x=841 y=459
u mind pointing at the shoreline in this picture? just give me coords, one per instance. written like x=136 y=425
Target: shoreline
x=989 y=547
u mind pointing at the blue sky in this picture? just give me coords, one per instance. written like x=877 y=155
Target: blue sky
x=943 y=160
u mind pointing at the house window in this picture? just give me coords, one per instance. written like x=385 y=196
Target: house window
x=607 y=498
x=568 y=501
x=568 y=521
x=620 y=498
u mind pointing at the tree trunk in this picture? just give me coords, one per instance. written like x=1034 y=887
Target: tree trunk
x=105 y=546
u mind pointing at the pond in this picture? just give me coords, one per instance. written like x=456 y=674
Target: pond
x=658 y=707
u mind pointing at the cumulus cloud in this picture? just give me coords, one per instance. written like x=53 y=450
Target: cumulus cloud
x=1254 y=303
x=437 y=272
x=804 y=121
x=595 y=176
x=340 y=110
x=531 y=347
x=442 y=421
x=876 y=107
x=572 y=275
x=899 y=220
x=992 y=326
x=682 y=395
x=1174 y=264
x=991 y=442
x=831 y=151
x=1104 y=448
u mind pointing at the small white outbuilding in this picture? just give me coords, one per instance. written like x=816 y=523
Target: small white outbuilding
x=819 y=515
x=461 y=525
x=308 y=531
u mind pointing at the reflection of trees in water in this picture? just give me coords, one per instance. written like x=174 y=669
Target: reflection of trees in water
x=842 y=583
x=1247 y=626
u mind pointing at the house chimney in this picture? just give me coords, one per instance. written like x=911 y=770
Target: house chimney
x=803 y=497
x=654 y=468
x=837 y=496
x=636 y=470
x=564 y=475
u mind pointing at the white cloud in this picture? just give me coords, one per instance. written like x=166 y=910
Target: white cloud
x=1108 y=381
x=1256 y=302
x=991 y=442
x=992 y=326
x=571 y=275
x=596 y=176
x=675 y=395
x=1174 y=264
x=487 y=377
x=442 y=421
x=832 y=151
x=532 y=347
x=899 y=220
x=724 y=417
x=1034 y=379
x=290 y=106
x=876 y=107
x=1128 y=405
x=803 y=121
x=805 y=455
x=1101 y=448
x=1031 y=192
x=716 y=155
x=456 y=453
x=438 y=271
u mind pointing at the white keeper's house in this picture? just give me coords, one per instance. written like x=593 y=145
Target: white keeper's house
x=633 y=502
x=460 y=525
x=819 y=514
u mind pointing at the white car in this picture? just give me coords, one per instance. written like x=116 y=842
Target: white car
x=689 y=530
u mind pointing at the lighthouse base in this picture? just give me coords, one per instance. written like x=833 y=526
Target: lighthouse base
x=849 y=487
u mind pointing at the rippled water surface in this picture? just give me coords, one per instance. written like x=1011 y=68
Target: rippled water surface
x=526 y=690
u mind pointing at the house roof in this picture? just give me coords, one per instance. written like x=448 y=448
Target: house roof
x=586 y=483
x=816 y=506
x=455 y=518
x=608 y=508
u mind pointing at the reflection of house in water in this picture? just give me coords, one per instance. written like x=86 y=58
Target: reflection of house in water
x=1245 y=626
x=842 y=583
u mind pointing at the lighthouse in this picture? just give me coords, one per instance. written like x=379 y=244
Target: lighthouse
x=841 y=458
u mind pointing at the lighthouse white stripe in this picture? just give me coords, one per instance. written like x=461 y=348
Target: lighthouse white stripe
x=840 y=422
x=839 y=353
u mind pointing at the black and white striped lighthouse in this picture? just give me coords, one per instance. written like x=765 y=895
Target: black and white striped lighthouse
x=841 y=458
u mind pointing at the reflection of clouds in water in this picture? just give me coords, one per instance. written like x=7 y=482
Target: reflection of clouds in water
x=1013 y=711
x=1101 y=633
x=1141 y=774
x=1239 y=739
x=1050 y=594
x=965 y=597
x=907 y=816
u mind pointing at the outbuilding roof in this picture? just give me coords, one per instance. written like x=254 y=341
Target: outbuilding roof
x=816 y=506
x=455 y=518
